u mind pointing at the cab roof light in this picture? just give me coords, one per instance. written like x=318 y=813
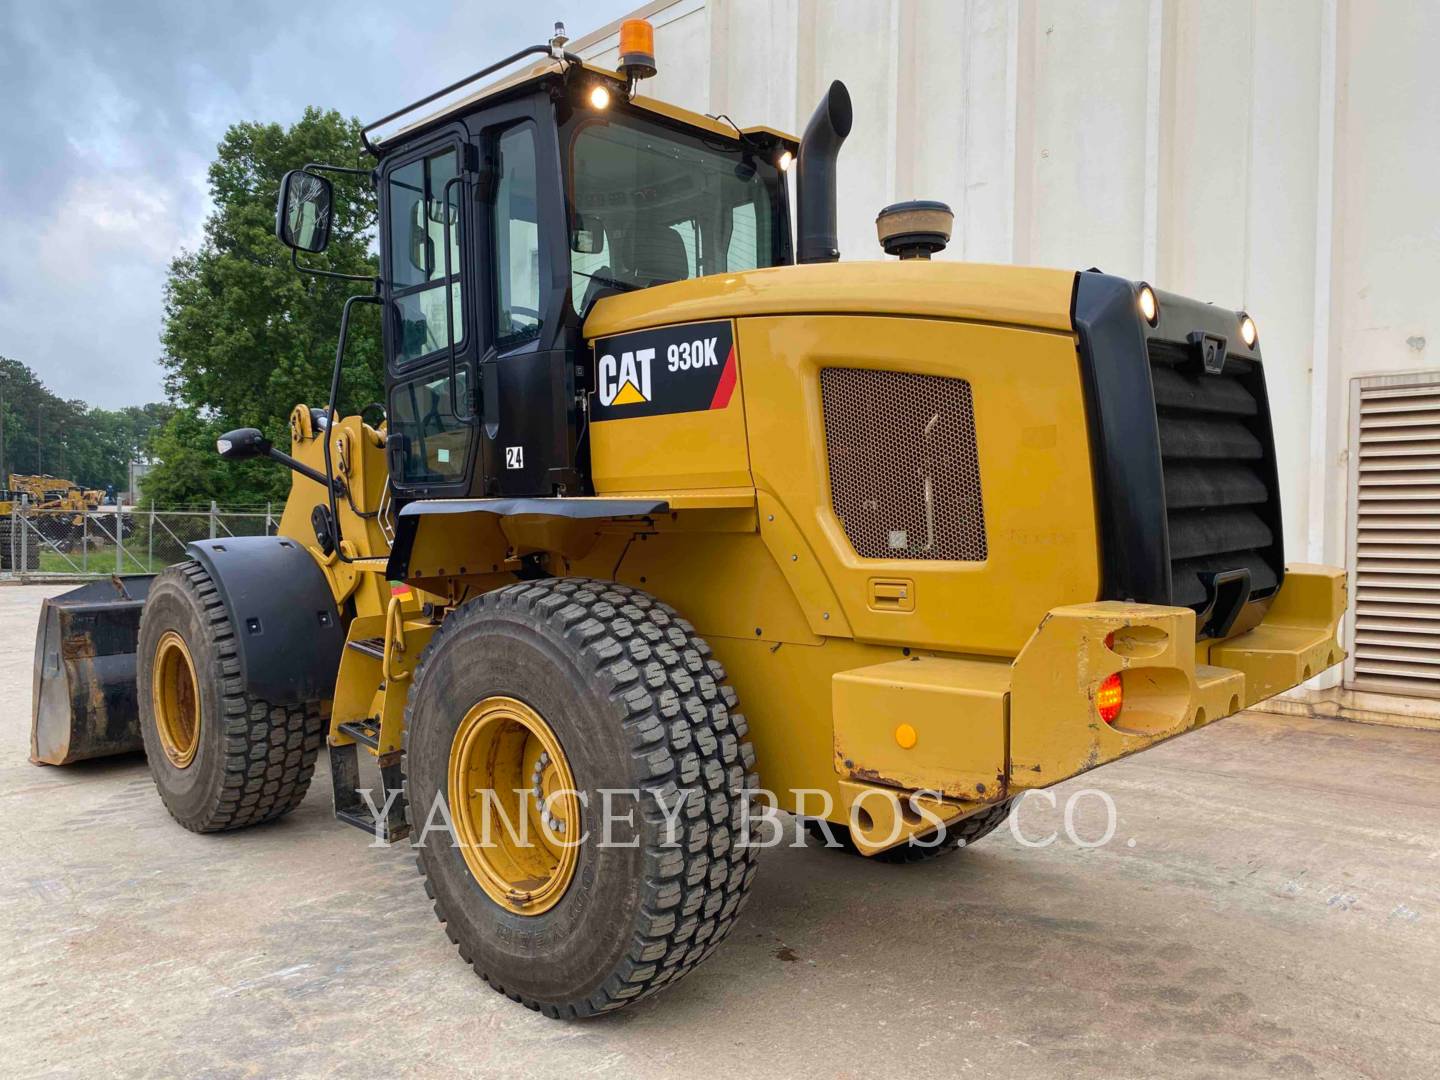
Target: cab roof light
x=1248 y=333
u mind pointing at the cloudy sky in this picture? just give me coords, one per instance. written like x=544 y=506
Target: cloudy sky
x=110 y=111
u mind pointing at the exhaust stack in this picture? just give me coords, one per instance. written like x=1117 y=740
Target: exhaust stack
x=815 y=185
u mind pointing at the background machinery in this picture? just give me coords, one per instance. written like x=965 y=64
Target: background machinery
x=946 y=533
x=56 y=508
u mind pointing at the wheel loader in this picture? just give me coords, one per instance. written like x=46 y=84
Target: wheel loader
x=668 y=507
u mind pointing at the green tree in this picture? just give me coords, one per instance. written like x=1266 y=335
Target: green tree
x=44 y=433
x=111 y=439
x=247 y=337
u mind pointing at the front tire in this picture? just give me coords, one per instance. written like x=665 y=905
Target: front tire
x=630 y=700
x=221 y=758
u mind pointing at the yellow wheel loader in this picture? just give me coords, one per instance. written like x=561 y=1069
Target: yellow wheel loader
x=668 y=509
x=56 y=509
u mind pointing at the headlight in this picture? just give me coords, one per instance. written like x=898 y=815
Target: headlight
x=1248 y=333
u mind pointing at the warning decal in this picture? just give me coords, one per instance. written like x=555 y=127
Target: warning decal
x=673 y=369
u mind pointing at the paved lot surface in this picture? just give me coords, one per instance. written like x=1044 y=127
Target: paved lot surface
x=1269 y=906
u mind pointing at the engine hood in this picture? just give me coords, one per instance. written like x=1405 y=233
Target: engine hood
x=976 y=292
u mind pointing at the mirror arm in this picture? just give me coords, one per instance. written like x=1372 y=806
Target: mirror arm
x=300 y=467
x=298 y=265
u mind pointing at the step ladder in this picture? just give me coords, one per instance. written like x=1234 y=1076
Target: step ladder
x=351 y=805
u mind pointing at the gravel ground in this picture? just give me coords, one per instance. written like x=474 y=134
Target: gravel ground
x=1269 y=905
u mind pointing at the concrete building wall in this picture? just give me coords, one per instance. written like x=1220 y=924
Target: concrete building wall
x=1274 y=155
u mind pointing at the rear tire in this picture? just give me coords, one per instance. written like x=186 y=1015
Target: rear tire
x=961 y=834
x=634 y=700
x=221 y=758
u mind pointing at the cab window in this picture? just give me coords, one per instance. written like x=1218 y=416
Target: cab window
x=421 y=218
x=517 y=240
x=436 y=442
x=650 y=204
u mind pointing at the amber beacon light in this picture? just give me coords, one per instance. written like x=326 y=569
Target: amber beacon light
x=637 y=49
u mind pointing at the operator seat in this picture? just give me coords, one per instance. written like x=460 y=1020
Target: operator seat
x=655 y=254
x=647 y=254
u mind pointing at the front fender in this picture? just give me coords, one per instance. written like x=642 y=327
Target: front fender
x=287 y=625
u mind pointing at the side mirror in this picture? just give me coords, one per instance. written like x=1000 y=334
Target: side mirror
x=302 y=212
x=242 y=443
x=422 y=248
x=588 y=236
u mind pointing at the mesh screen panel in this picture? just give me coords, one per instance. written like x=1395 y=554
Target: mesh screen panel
x=904 y=472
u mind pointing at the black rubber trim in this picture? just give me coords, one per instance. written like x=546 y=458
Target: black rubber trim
x=407 y=525
x=578 y=509
x=1124 y=440
x=287 y=627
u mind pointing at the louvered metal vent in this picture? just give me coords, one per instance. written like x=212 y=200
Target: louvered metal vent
x=1395 y=541
x=1218 y=456
x=904 y=473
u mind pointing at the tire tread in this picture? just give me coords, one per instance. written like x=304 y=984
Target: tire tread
x=270 y=750
x=670 y=696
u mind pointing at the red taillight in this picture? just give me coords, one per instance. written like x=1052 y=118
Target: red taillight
x=1110 y=698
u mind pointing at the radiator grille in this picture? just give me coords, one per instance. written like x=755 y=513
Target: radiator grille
x=1218 y=458
x=904 y=472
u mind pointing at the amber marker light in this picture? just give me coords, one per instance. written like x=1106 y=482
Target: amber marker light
x=1110 y=698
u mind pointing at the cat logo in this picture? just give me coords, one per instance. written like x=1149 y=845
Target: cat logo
x=688 y=367
x=626 y=381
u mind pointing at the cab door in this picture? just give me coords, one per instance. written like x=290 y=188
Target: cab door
x=431 y=316
x=528 y=391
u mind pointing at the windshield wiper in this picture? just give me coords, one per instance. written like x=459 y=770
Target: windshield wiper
x=623 y=286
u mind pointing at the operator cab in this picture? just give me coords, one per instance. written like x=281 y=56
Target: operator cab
x=503 y=218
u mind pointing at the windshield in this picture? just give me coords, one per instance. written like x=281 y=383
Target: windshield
x=650 y=204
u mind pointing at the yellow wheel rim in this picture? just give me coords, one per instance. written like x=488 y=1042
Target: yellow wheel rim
x=176 y=695
x=513 y=803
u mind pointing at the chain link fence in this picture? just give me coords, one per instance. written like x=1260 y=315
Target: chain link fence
x=37 y=543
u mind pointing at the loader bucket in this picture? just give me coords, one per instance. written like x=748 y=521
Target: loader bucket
x=86 y=704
